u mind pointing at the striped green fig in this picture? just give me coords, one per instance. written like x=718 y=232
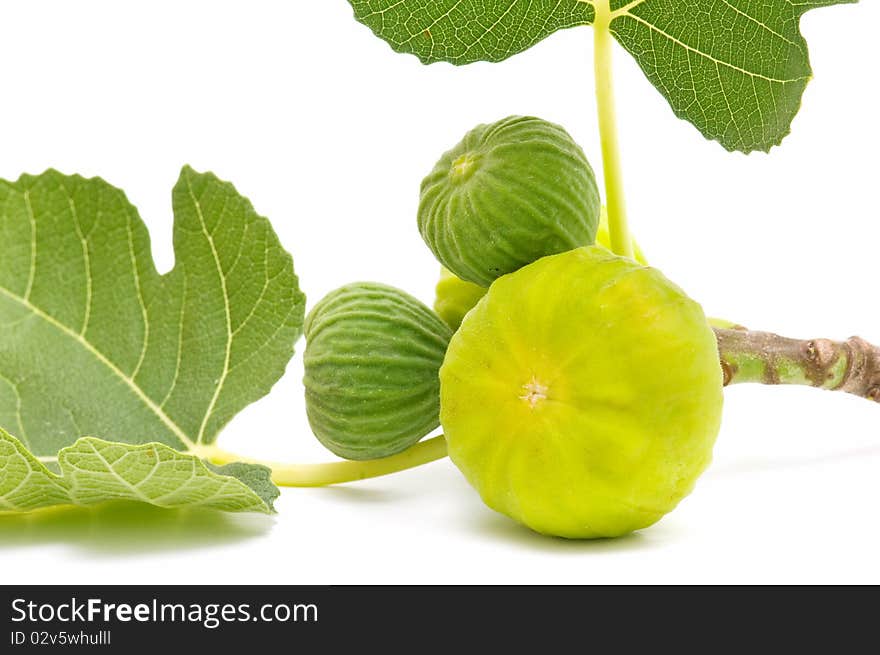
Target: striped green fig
x=372 y=359
x=509 y=193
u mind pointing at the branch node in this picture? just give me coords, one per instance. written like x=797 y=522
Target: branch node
x=729 y=370
x=852 y=366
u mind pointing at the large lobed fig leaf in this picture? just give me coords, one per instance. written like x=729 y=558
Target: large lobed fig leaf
x=735 y=69
x=95 y=343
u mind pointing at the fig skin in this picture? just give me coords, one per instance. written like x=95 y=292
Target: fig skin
x=372 y=359
x=454 y=297
x=509 y=193
x=582 y=395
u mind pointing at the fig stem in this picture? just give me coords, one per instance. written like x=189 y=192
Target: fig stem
x=852 y=366
x=321 y=475
x=618 y=230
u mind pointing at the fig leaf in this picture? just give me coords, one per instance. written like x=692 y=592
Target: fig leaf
x=735 y=69
x=94 y=471
x=94 y=342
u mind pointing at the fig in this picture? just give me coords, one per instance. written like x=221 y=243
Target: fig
x=582 y=395
x=603 y=238
x=372 y=361
x=509 y=193
x=455 y=297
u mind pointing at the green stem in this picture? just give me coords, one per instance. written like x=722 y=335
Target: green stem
x=320 y=475
x=723 y=323
x=621 y=242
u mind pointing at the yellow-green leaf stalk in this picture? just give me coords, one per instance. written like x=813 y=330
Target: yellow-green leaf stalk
x=324 y=474
x=620 y=240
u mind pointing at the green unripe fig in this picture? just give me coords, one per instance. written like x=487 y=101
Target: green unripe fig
x=455 y=297
x=372 y=359
x=510 y=193
x=582 y=395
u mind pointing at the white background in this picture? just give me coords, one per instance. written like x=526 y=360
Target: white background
x=329 y=133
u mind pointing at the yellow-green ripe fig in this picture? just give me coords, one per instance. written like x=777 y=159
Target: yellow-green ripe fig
x=603 y=238
x=455 y=297
x=582 y=395
x=509 y=193
x=372 y=359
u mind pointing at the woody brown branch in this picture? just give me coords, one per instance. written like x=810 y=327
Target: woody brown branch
x=852 y=366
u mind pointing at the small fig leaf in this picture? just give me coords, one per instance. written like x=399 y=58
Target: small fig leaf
x=93 y=471
x=735 y=69
x=462 y=32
